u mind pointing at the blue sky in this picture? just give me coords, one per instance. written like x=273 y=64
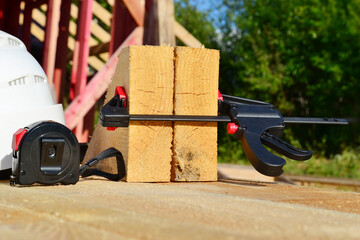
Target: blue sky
x=209 y=5
x=201 y=5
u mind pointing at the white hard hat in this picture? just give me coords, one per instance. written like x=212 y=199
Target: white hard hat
x=25 y=96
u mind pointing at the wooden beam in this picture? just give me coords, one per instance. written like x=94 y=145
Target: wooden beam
x=2 y=8
x=26 y=25
x=101 y=48
x=159 y=23
x=81 y=51
x=72 y=29
x=103 y=14
x=94 y=50
x=93 y=61
x=51 y=34
x=196 y=93
x=147 y=74
x=88 y=127
x=184 y=36
x=96 y=30
x=61 y=51
x=11 y=17
x=100 y=12
x=37 y=32
x=98 y=84
x=99 y=32
x=137 y=10
x=39 y=17
x=26 y=19
x=121 y=26
x=80 y=60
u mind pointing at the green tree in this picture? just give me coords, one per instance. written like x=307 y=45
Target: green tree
x=196 y=22
x=302 y=56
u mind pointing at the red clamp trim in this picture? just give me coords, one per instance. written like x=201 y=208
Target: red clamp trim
x=232 y=128
x=121 y=92
x=17 y=136
x=220 y=97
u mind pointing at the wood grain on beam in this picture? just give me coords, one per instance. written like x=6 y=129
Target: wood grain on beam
x=147 y=75
x=196 y=93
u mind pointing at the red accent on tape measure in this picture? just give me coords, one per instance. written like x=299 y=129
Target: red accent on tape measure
x=17 y=136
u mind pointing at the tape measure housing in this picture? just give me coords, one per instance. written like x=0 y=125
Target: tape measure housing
x=47 y=152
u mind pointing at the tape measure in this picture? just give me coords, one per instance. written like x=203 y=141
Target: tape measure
x=48 y=153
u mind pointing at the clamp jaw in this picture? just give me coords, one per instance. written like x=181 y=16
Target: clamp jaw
x=255 y=124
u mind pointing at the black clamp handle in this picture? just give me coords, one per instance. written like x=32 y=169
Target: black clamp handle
x=256 y=124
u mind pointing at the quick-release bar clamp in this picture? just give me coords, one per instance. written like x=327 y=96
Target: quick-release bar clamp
x=254 y=122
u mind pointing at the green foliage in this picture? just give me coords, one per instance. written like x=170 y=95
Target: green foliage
x=302 y=56
x=344 y=165
x=229 y=151
x=196 y=23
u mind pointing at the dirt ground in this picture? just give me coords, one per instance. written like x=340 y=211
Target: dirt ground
x=231 y=209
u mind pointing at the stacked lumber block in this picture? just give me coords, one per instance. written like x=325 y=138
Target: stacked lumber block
x=196 y=93
x=164 y=81
x=147 y=74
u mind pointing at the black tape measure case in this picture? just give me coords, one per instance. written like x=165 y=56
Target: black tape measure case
x=45 y=152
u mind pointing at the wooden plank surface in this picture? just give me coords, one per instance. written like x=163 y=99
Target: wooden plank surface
x=196 y=92
x=147 y=74
x=100 y=209
x=241 y=172
x=159 y=23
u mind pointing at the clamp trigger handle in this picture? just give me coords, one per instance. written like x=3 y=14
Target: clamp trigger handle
x=285 y=148
x=262 y=160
